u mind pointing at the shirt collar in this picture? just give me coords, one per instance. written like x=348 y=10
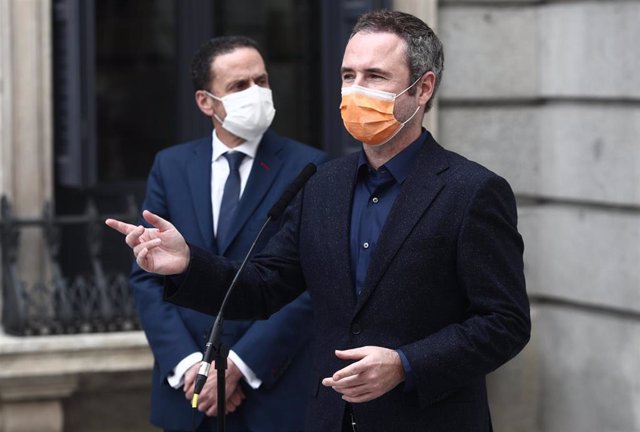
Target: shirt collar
x=249 y=148
x=400 y=165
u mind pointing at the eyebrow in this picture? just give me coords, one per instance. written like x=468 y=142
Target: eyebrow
x=246 y=79
x=368 y=70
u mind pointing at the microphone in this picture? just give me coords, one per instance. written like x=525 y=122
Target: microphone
x=214 y=343
x=292 y=190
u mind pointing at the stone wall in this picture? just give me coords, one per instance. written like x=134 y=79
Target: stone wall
x=75 y=383
x=547 y=94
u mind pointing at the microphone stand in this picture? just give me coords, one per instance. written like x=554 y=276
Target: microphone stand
x=219 y=351
x=215 y=350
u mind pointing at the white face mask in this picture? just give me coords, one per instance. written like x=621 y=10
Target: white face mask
x=249 y=112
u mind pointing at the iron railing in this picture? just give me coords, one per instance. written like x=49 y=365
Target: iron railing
x=96 y=300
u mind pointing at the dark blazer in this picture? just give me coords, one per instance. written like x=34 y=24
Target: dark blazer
x=445 y=285
x=179 y=189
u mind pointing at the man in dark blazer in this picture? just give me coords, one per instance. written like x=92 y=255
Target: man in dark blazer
x=269 y=364
x=410 y=252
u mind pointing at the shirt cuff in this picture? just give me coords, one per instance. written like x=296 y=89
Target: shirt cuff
x=176 y=379
x=246 y=371
x=409 y=383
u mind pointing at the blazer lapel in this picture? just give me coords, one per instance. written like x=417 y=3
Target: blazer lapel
x=264 y=171
x=335 y=215
x=418 y=192
x=199 y=174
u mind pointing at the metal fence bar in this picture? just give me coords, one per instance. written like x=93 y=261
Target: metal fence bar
x=96 y=301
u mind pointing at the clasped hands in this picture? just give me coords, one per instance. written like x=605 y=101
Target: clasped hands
x=208 y=397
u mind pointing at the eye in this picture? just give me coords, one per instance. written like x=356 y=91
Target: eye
x=347 y=76
x=240 y=85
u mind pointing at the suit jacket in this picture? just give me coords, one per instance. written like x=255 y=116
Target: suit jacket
x=179 y=189
x=445 y=285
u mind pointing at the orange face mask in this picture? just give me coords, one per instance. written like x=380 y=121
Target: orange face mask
x=368 y=114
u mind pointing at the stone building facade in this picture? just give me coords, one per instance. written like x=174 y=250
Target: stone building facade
x=547 y=94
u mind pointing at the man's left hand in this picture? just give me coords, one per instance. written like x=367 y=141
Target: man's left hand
x=376 y=371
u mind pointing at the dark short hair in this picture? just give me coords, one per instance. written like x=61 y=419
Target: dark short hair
x=424 y=49
x=201 y=74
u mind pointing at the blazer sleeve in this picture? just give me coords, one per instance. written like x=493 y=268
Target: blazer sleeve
x=490 y=273
x=269 y=281
x=168 y=338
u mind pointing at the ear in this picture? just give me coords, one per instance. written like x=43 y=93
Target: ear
x=205 y=103
x=427 y=86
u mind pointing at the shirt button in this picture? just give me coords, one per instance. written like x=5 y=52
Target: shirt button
x=355 y=328
x=375 y=200
x=365 y=245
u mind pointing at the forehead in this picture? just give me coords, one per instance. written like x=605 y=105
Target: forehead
x=380 y=50
x=241 y=63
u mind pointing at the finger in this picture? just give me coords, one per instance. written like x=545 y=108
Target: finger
x=328 y=382
x=134 y=235
x=352 y=354
x=366 y=397
x=212 y=411
x=145 y=261
x=357 y=395
x=231 y=406
x=156 y=221
x=351 y=370
x=237 y=397
x=233 y=402
x=189 y=380
x=350 y=381
x=205 y=402
x=188 y=389
x=146 y=245
x=121 y=227
x=354 y=390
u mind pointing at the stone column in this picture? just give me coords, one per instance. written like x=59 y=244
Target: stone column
x=26 y=143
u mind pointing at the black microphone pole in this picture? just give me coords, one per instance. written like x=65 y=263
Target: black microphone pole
x=215 y=349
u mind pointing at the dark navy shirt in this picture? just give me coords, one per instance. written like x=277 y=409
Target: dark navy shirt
x=374 y=195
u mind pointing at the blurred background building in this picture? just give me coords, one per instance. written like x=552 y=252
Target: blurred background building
x=545 y=93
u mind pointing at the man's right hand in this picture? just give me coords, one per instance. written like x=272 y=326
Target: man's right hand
x=160 y=250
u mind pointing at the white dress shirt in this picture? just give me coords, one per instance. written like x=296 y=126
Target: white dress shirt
x=220 y=170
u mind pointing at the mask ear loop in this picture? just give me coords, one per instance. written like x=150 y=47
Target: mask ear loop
x=212 y=96
x=407 y=89
x=414 y=83
x=407 y=120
